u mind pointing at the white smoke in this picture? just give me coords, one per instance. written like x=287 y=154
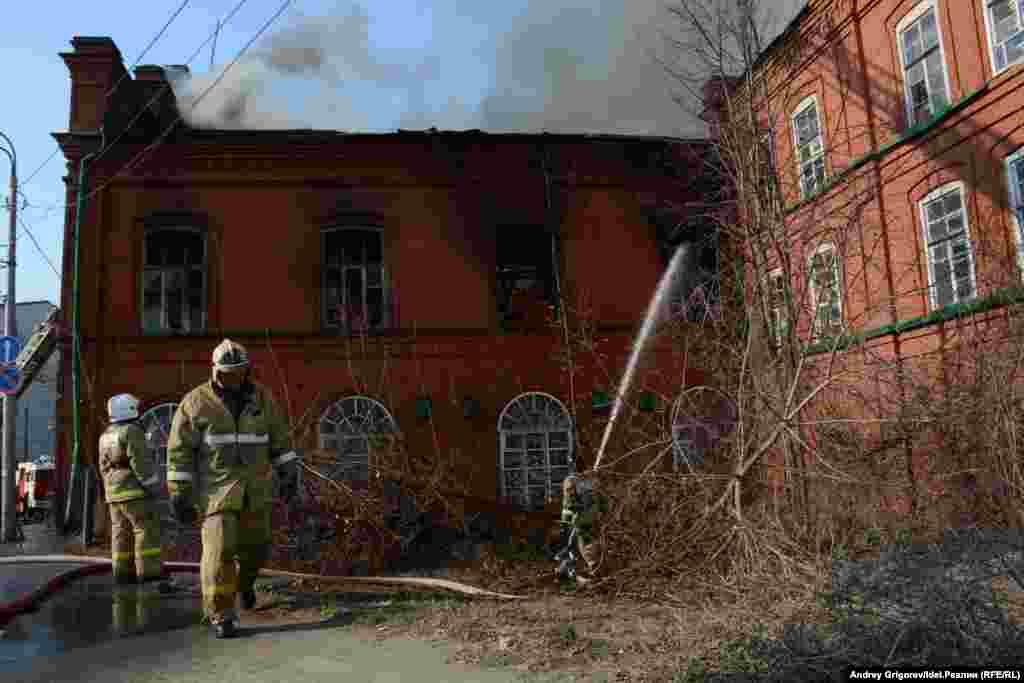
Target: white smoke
x=559 y=65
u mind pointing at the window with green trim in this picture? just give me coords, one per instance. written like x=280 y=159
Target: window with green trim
x=824 y=277
x=924 y=65
x=947 y=238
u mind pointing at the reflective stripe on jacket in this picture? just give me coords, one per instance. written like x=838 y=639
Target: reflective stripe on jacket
x=221 y=461
x=124 y=464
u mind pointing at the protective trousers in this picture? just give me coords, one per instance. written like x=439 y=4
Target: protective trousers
x=135 y=540
x=229 y=536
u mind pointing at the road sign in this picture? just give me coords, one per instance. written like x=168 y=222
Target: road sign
x=9 y=349
x=10 y=379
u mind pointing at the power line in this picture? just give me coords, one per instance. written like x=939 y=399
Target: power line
x=32 y=237
x=143 y=109
x=108 y=146
x=120 y=80
x=156 y=143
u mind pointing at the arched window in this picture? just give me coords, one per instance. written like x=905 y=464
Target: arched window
x=174 y=278
x=536 y=448
x=347 y=429
x=156 y=425
x=355 y=288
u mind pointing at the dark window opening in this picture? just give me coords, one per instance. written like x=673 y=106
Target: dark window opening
x=354 y=282
x=173 y=281
x=525 y=279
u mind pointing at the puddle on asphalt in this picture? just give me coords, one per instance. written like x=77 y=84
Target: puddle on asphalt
x=87 y=613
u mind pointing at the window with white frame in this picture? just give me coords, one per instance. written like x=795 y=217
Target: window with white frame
x=825 y=281
x=355 y=295
x=1005 y=21
x=349 y=430
x=950 y=261
x=1015 y=176
x=535 y=435
x=810 y=146
x=924 y=66
x=777 y=311
x=174 y=279
x=156 y=425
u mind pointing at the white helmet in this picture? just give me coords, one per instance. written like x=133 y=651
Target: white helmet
x=123 y=407
x=230 y=355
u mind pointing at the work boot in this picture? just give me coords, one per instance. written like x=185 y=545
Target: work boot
x=225 y=629
x=248 y=599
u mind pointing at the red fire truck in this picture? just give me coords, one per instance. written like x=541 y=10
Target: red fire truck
x=36 y=482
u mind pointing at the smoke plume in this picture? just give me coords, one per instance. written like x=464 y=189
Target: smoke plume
x=555 y=65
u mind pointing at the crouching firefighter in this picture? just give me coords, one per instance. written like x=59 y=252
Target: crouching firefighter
x=226 y=439
x=581 y=508
x=130 y=484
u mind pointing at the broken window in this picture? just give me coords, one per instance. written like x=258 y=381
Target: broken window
x=826 y=294
x=174 y=280
x=355 y=291
x=777 y=309
x=810 y=147
x=924 y=68
x=536 y=449
x=525 y=281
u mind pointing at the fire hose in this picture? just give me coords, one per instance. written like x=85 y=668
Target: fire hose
x=92 y=566
x=98 y=565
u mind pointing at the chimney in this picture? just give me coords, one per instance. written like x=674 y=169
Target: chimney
x=95 y=66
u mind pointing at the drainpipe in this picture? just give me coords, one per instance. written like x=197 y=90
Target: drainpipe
x=76 y=348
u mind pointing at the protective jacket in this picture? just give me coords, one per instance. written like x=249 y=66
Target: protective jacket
x=124 y=465
x=222 y=458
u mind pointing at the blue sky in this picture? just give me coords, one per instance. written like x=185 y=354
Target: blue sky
x=571 y=65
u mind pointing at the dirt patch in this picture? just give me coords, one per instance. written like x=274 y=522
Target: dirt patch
x=560 y=633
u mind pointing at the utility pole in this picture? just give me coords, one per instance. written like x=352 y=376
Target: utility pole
x=10 y=413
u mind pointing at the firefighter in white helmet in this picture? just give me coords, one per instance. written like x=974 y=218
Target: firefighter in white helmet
x=226 y=439
x=131 y=484
x=131 y=487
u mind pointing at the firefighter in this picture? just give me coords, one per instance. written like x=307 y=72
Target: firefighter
x=130 y=482
x=226 y=439
x=581 y=510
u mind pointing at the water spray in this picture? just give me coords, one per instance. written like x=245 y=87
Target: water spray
x=650 y=319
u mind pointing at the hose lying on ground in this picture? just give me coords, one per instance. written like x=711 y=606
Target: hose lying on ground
x=99 y=565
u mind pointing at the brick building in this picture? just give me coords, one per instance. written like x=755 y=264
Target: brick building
x=898 y=126
x=397 y=282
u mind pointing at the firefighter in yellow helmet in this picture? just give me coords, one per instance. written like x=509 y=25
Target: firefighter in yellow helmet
x=131 y=485
x=226 y=439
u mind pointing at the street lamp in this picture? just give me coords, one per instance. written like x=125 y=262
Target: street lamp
x=7 y=533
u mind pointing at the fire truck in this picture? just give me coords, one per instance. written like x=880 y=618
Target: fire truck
x=36 y=482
